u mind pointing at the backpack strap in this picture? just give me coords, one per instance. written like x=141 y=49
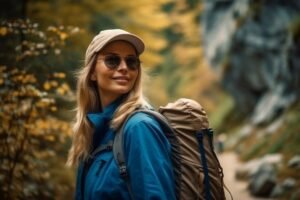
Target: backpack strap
x=200 y=135
x=108 y=146
x=118 y=149
x=118 y=141
x=119 y=153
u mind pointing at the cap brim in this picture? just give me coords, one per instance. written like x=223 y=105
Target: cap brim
x=132 y=39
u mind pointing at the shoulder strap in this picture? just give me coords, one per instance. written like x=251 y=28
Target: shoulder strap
x=118 y=150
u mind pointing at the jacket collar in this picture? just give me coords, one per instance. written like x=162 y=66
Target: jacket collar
x=97 y=118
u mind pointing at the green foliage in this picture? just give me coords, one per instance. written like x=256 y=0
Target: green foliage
x=144 y=18
x=291 y=129
x=183 y=67
x=26 y=46
x=252 y=151
x=102 y=21
x=226 y=105
x=170 y=30
x=30 y=134
x=285 y=140
x=278 y=144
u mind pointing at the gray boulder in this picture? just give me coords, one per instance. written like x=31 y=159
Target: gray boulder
x=263 y=181
x=252 y=167
x=278 y=191
x=283 y=188
x=294 y=162
x=289 y=183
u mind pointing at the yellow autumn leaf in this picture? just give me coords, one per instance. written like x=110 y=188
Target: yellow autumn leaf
x=50 y=138
x=42 y=124
x=52 y=28
x=33 y=113
x=60 y=90
x=40 y=104
x=29 y=78
x=65 y=127
x=3 y=31
x=53 y=108
x=63 y=35
x=59 y=75
x=47 y=85
x=53 y=83
x=65 y=86
x=27 y=126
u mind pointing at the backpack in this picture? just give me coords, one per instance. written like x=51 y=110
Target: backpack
x=186 y=126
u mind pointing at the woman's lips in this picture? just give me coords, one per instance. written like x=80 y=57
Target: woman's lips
x=121 y=79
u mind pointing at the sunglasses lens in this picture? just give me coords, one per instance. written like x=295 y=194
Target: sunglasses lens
x=112 y=62
x=132 y=63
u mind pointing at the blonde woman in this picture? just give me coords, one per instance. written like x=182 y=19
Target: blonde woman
x=108 y=90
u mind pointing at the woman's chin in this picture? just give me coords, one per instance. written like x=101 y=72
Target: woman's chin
x=122 y=90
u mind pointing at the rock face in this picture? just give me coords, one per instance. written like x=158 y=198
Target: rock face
x=263 y=181
x=252 y=167
x=283 y=187
x=294 y=162
x=255 y=45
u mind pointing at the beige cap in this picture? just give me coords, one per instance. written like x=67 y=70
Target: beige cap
x=106 y=36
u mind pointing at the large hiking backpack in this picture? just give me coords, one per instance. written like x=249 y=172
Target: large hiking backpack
x=198 y=173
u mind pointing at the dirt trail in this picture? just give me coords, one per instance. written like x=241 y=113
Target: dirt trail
x=238 y=189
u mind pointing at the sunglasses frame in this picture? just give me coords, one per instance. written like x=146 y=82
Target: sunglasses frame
x=113 y=64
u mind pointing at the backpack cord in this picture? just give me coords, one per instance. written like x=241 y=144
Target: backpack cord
x=219 y=165
x=220 y=169
x=199 y=136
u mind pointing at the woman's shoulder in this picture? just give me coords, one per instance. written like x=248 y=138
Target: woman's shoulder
x=143 y=127
x=141 y=119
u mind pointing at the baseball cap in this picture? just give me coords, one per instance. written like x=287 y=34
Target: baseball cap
x=106 y=36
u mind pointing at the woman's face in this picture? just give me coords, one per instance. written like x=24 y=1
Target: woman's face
x=114 y=82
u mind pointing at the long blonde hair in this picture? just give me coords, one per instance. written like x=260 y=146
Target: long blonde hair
x=88 y=100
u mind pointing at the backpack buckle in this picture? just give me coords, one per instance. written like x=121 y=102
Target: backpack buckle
x=123 y=171
x=109 y=147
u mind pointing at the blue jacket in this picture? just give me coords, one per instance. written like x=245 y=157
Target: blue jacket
x=147 y=153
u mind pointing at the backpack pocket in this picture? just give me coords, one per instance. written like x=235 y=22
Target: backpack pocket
x=193 y=184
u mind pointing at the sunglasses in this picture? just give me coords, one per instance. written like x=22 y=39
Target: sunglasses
x=114 y=61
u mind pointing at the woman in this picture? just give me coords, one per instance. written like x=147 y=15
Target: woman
x=108 y=90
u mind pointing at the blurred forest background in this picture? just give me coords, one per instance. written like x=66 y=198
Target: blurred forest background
x=239 y=59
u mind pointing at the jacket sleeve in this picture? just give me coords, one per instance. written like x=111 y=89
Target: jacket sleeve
x=148 y=159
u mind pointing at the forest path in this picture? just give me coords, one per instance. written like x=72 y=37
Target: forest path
x=229 y=161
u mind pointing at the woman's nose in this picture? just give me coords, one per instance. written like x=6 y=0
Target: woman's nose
x=123 y=65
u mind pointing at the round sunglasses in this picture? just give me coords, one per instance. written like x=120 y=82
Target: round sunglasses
x=113 y=61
